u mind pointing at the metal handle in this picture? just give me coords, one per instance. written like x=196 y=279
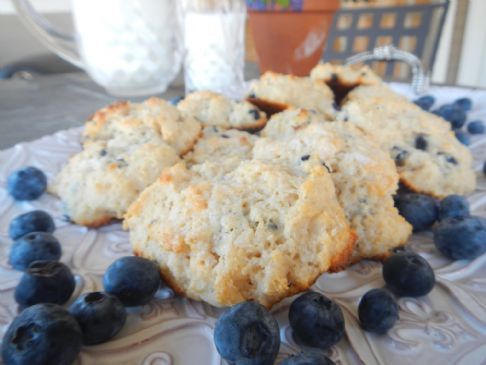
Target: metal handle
x=420 y=78
x=62 y=43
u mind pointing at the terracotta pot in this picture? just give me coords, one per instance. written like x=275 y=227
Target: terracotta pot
x=292 y=42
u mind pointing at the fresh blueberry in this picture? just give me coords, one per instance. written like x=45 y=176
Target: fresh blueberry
x=476 y=127
x=425 y=102
x=419 y=210
x=100 y=316
x=464 y=103
x=34 y=221
x=316 y=320
x=26 y=184
x=45 y=282
x=308 y=358
x=174 y=101
x=453 y=114
x=463 y=137
x=461 y=237
x=32 y=247
x=408 y=274
x=453 y=206
x=134 y=280
x=247 y=334
x=42 y=334
x=378 y=311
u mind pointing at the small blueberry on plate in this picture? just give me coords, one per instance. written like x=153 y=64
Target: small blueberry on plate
x=378 y=311
x=34 y=221
x=453 y=206
x=316 y=320
x=100 y=316
x=425 y=102
x=308 y=358
x=419 y=210
x=28 y=183
x=476 y=127
x=464 y=103
x=408 y=274
x=32 y=247
x=463 y=137
x=42 y=334
x=247 y=334
x=461 y=237
x=134 y=280
x=453 y=114
x=45 y=282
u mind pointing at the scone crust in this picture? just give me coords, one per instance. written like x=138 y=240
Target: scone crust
x=213 y=109
x=256 y=233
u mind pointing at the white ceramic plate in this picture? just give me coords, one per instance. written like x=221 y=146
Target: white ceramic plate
x=446 y=327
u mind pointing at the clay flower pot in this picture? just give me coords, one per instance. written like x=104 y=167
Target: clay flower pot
x=290 y=39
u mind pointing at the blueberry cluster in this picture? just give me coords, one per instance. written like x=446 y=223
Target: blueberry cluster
x=456 y=114
x=45 y=332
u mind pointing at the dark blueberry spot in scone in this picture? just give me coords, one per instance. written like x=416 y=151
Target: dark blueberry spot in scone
x=272 y=225
x=121 y=163
x=255 y=113
x=334 y=77
x=400 y=155
x=449 y=159
x=103 y=152
x=305 y=157
x=224 y=136
x=421 y=143
x=252 y=96
x=336 y=107
x=345 y=119
x=327 y=167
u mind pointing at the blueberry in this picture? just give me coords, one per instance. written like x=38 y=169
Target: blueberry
x=463 y=137
x=476 y=127
x=453 y=206
x=34 y=221
x=461 y=238
x=255 y=113
x=419 y=210
x=308 y=358
x=28 y=183
x=42 y=334
x=378 y=311
x=100 y=316
x=453 y=114
x=134 y=280
x=425 y=102
x=45 y=282
x=421 y=143
x=408 y=274
x=174 y=101
x=464 y=103
x=32 y=247
x=247 y=334
x=316 y=320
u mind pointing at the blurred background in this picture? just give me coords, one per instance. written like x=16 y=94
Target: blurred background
x=459 y=47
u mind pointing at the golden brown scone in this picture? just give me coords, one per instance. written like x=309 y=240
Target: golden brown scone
x=256 y=233
x=428 y=156
x=178 y=129
x=213 y=109
x=365 y=176
x=274 y=92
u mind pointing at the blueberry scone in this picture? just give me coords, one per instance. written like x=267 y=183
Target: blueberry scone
x=347 y=76
x=213 y=109
x=274 y=92
x=428 y=156
x=256 y=233
x=225 y=149
x=364 y=176
x=178 y=129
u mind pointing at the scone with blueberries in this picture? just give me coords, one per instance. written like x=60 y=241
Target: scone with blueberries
x=364 y=176
x=427 y=155
x=257 y=233
x=274 y=92
x=224 y=149
x=345 y=76
x=213 y=109
x=126 y=148
x=178 y=129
